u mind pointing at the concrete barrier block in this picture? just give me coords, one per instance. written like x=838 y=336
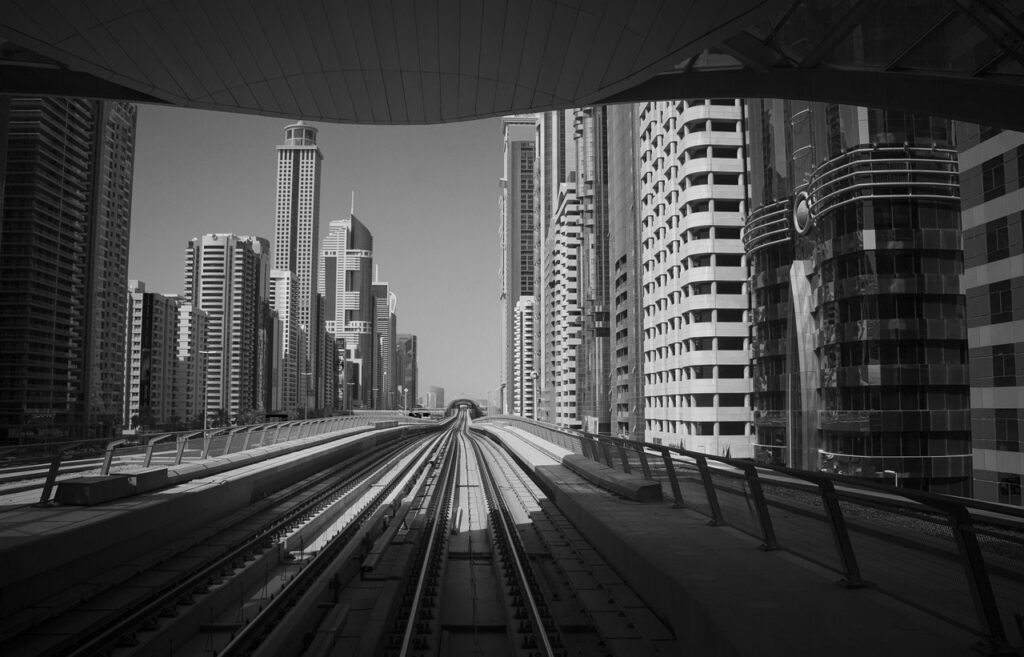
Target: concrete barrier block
x=146 y=480
x=87 y=491
x=630 y=486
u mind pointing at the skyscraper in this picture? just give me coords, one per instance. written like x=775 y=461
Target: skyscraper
x=556 y=165
x=296 y=230
x=590 y=142
x=65 y=213
x=692 y=204
x=627 y=384
x=345 y=279
x=284 y=298
x=408 y=370
x=991 y=177
x=859 y=339
x=162 y=377
x=385 y=333
x=561 y=284
x=516 y=235
x=106 y=272
x=226 y=276
x=524 y=378
x=152 y=354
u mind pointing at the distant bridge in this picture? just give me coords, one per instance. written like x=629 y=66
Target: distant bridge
x=474 y=408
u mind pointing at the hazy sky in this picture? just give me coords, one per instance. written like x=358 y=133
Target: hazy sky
x=427 y=193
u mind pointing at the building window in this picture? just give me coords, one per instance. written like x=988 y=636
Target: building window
x=993 y=183
x=731 y=371
x=1009 y=488
x=1020 y=167
x=1000 y=300
x=997 y=238
x=1003 y=370
x=732 y=428
x=734 y=399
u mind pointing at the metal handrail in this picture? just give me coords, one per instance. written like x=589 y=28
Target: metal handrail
x=960 y=513
x=108 y=452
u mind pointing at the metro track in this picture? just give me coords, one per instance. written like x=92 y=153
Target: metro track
x=438 y=545
x=134 y=614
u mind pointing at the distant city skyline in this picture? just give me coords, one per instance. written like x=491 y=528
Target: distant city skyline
x=428 y=193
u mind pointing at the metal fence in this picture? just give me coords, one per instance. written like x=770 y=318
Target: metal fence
x=129 y=454
x=958 y=559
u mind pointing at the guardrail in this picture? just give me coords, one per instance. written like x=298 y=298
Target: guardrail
x=135 y=453
x=972 y=551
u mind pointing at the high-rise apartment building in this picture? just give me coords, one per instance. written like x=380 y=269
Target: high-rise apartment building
x=106 y=273
x=162 y=377
x=561 y=283
x=524 y=378
x=590 y=142
x=189 y=396
x=992 y=203
x=226 y=277
x=64 y=227
x=296 y=231
x=345 y=280
x=284 y=299
x=516 y=210
x=626 y=389
x=859 y=339
x=692 y=203
x=408 y=370
x=385 y=335
x=152 y=355
x=556 y=165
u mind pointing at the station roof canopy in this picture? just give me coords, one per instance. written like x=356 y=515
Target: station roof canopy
x=431 y=61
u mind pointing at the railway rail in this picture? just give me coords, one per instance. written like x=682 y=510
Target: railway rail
x=435 y=545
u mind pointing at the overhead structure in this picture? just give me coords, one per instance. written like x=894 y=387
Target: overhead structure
x=408 y=61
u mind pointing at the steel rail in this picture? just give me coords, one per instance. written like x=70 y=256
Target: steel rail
x=500 y=509
x=105 y=636
x=438 y=525
x=248 y=639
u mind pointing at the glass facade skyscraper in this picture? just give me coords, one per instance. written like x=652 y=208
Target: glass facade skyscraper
x=859 y=342
x=65 y=214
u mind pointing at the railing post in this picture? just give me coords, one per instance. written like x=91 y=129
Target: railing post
x=227 y=443
x=149 y=453
x=207 y=443
x=645 y=467
x=108 y=456
x=623 y=457
x=978 y=582
x=763 y=516
x=709 y=491
x=51 y=479
x=670 y=471
x=245 y=443
x=605 y=451
x=182 y=442
x=841 y=535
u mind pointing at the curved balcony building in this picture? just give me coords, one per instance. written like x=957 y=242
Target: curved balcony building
x=859 y=340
